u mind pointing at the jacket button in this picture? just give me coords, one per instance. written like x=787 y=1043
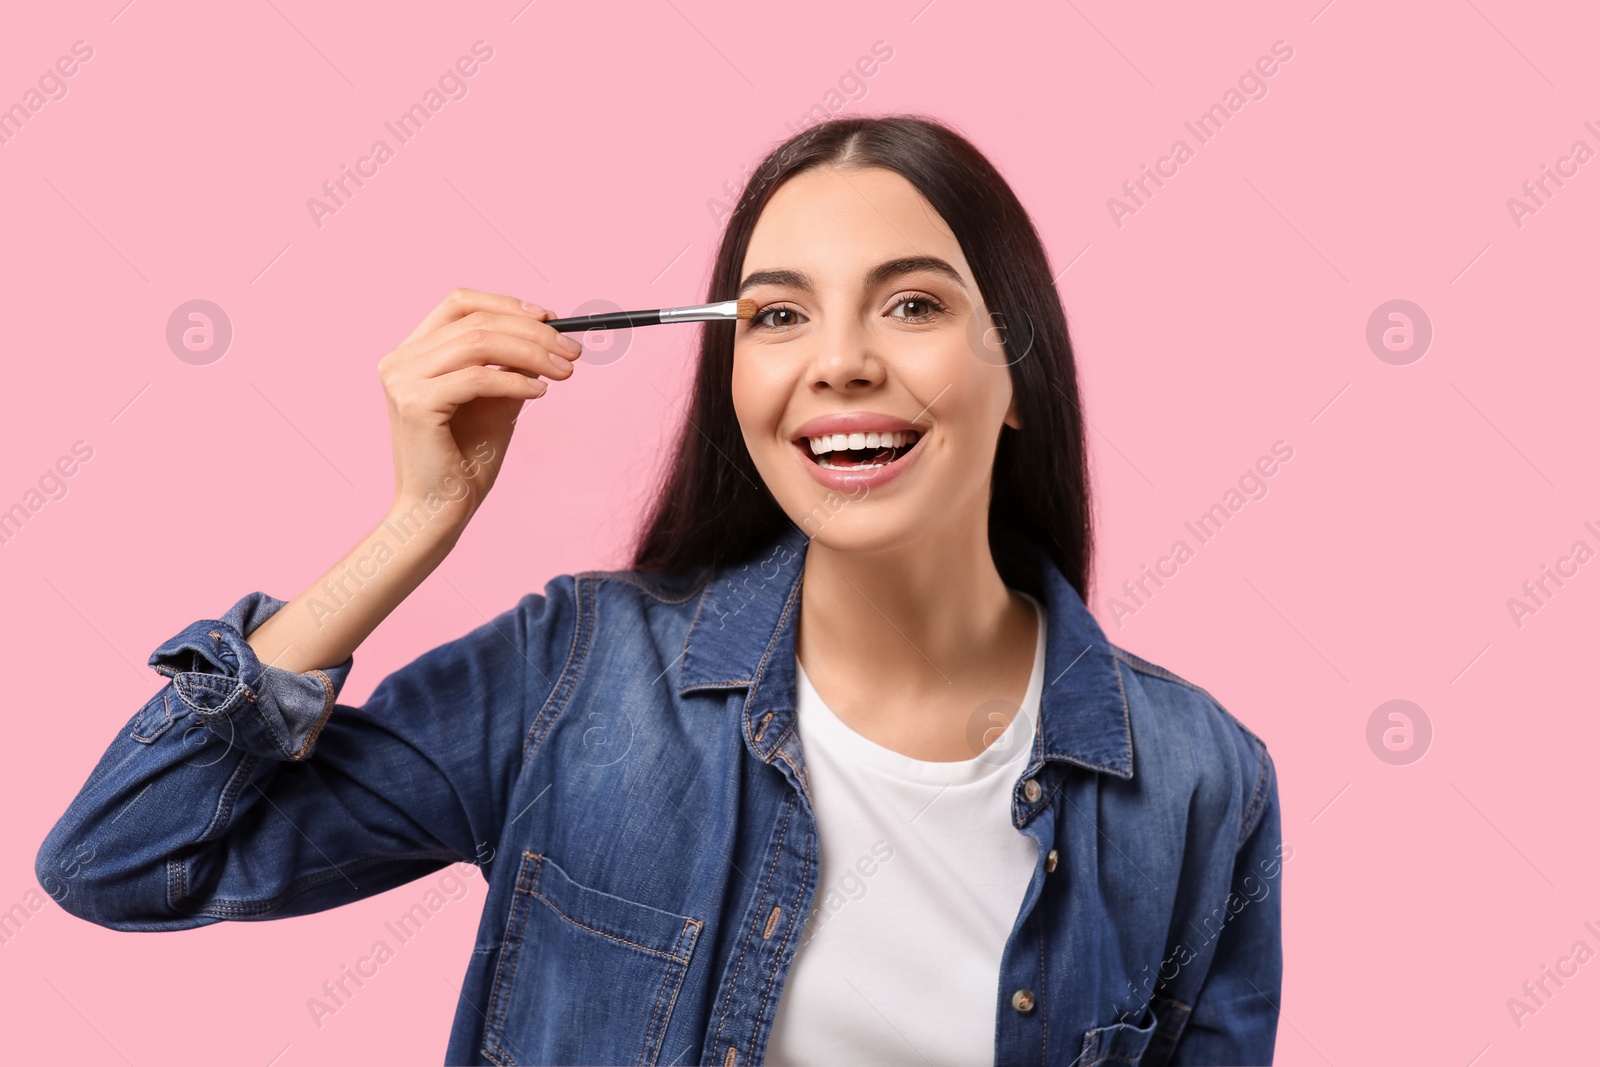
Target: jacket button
x=1050 y=860
x=1022 y=1000
x=1031 y=790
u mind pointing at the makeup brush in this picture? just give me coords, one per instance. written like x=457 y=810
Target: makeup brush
x=616 y=320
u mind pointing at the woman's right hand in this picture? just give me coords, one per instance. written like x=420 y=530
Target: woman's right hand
x=455 y=388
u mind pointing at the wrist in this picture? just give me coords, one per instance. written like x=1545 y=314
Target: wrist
x=434 y=519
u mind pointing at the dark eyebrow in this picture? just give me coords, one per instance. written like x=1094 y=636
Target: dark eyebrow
x=883 y=272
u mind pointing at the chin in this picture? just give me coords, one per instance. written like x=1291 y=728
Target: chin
x=841 y=524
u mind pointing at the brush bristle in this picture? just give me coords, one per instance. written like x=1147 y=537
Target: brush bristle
x=747 y=308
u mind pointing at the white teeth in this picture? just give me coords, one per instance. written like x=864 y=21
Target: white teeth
x=838 y=442
x=850 y=466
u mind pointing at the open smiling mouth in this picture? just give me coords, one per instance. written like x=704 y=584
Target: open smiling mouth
x=858 y=451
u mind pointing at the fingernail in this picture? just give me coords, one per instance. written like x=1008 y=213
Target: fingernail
x=570 y=345
x=535 y=308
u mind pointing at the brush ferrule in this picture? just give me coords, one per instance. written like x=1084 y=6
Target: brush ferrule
x=727 y=309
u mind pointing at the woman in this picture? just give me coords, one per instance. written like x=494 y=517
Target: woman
x=842 y=770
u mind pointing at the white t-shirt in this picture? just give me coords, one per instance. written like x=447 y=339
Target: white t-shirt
x=922 y=877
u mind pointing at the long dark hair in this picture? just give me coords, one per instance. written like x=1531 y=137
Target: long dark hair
x=712 y=508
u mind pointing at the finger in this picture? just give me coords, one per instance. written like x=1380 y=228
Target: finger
x=460 y=302
x=525 y=326
x=485 y=346
x=470 y=383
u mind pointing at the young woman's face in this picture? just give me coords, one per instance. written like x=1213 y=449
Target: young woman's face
x=869 y=324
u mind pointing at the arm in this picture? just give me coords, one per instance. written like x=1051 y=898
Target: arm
x=1235 y=1016
x=240 y=789
x=243 y=791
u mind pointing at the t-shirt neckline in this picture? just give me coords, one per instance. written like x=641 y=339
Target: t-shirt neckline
x=1009 y=750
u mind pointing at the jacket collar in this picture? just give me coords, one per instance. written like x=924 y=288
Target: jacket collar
x=744 y=632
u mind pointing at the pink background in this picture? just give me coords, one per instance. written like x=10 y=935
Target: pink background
x=1230 y=312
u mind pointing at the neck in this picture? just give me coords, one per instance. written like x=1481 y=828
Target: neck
x=919 y=619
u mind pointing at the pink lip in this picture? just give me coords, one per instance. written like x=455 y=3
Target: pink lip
x=855 y=422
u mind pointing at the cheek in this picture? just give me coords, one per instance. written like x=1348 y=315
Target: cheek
x=758 y=403
x=759 y=393
x=965 y=390
x=973 y=395
x=746 y=391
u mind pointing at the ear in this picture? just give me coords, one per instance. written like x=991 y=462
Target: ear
x=1012 y=419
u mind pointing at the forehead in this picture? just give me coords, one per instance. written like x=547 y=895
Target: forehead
x=834 y=223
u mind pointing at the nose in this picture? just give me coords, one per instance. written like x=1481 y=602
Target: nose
x=845 y=360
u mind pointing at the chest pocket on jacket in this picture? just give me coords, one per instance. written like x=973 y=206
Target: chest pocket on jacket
x=583 y=976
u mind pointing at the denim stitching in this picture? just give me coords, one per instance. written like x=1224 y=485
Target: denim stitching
x=733 y=981
x=656 y=1032
x=776 y=749
x=733 y=683
x=1155 y=1027
x=316 y=727
x=201 y=682
x=782 y=749
x=230 y=793
x=772 y=975
x=683 y=656
x=153 y=731
x=327 y=684
x=502 y=976
x=1127 y=735
x=1044 y=1012
x=1258 y=796
x=656 y=592
x=760 y=675
x=566 y=680
x=1127 y=721
x=528 y=886
x=610 y=937
x=206 y=682
x=1144 y=666
x=652 y=1055
x=654 y=1029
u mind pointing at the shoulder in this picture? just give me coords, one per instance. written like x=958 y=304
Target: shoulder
x=646 y=588
x=598 y=634
x=579 y=592
x=622 y=612
x=670 y=600
x=578 y=613
x=1185 y=724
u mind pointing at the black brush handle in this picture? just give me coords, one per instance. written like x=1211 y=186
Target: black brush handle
x=611 y=320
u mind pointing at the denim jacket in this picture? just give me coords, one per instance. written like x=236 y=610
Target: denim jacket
x=620 y=757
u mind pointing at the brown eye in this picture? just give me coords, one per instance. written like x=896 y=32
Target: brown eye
x=760 y=319
x=920 y=308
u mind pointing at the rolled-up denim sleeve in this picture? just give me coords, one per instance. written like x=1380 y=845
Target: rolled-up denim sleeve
x=1234 y=1019
x=244 y=791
